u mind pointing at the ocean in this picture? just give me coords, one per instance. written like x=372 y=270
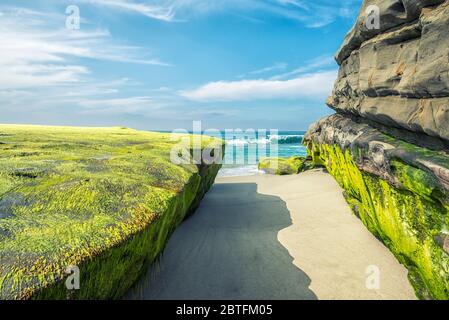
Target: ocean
x=243 y=151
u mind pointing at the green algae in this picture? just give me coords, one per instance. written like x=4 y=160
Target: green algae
x=282 y=166
x=406 y=219
x=418 y=181
x=104 y=199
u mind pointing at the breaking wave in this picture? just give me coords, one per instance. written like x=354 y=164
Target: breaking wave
x=280 y=139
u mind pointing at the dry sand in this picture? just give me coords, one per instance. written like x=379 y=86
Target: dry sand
x=271 y=237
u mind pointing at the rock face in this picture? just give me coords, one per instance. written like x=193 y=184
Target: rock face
x=388 y=144
x=398 y=75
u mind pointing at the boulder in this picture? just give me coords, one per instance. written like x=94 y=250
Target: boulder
x=282 y=166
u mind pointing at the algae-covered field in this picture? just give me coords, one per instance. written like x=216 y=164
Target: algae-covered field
x=102 y=199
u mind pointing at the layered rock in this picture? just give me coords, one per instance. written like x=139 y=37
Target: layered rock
x=388 y=143
x=399 y=77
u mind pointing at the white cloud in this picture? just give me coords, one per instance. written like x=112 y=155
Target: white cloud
x=313 y=85
x=313 y=14
x=274 y=67
x=311 y=65
x=118 y=102
x=34 y=52
x=158 y=12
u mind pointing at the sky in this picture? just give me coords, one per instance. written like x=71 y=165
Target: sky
x=161 y=64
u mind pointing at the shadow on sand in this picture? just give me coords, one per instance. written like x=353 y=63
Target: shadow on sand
x=228 y=249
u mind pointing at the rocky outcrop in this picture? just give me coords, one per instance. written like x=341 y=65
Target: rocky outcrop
x=394 y=14
x=398 y=75
x=387 y=145
x=281 y=166
x=103 y=201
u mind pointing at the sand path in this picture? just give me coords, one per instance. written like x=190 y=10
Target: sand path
x=269 y=237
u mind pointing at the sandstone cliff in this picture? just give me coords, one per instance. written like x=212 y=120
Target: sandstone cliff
x=388 y=143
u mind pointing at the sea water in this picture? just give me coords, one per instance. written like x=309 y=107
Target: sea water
x=243 y=153
x=243 y=150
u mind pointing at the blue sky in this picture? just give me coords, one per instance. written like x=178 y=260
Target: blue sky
x=160 y=65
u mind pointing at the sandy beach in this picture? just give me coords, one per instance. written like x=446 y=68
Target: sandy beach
x=274 y=237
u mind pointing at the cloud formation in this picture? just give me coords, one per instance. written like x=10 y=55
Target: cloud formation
x=155 y=11
x=324 y=61
x=313 y=14
x=313 y=85
x=50 y=72
x=35 y=51
x=111 y=106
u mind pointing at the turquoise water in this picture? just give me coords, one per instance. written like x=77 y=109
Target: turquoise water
x=243 y=151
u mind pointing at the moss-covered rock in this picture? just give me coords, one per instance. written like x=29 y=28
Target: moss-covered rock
x=399 y=192
x=388 y=144
x=103 y=199
x=283 y=166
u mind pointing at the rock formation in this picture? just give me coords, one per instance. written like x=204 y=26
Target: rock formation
x=103 y=200
x=388 y=143
x=281 y=166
